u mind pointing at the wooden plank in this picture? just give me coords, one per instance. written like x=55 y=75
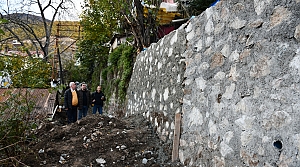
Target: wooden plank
x=175 y=151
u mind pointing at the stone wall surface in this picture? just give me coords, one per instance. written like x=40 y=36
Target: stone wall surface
x=155 y=88
x=239 y=63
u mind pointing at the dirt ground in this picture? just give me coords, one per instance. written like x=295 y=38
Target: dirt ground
x=99 y=140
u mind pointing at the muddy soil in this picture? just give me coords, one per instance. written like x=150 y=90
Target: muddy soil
x=99 y=140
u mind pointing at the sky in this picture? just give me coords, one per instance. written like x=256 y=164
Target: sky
x=14 y=5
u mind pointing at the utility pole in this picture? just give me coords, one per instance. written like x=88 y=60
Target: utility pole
x=57 y=56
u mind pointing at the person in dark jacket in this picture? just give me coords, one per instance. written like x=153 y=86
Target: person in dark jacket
x=71 y=103
x=84 y=98
x=98 y=98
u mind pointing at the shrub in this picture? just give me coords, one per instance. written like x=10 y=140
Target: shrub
x=15 y=125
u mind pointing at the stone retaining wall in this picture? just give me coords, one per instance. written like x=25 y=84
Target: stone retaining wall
x=155 y=88
x=240 y=85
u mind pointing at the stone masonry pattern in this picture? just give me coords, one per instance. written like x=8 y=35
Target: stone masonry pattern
x=234 y=74
x=155 y=89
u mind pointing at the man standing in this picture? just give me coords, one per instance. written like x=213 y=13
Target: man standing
x=84 y=97
x=98 y=98
x=71 y=102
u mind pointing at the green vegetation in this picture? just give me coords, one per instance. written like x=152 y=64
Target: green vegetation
x=1 y=22
x=75 y=72
x=99 y=22
x=15 y=126
x=26 y=72
x=117 y=74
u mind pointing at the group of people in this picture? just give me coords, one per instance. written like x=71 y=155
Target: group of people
x=78 y=101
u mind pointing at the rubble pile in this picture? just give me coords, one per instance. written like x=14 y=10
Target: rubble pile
x=98 y=140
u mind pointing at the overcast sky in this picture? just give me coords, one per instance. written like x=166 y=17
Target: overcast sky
x=14 y=6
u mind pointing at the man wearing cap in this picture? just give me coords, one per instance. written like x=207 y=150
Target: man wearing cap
x=84 y=100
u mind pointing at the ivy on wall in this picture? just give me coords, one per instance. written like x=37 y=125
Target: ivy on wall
x=118 y=72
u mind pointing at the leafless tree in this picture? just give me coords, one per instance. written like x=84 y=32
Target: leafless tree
x=143 y=28
x=21 y=14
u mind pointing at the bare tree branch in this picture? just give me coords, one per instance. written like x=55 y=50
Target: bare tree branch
x=55 y=7
x=5 y=39
x=17 y=37
x=49 y=4
x=27 y=29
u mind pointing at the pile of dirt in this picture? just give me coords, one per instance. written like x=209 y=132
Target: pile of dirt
x=98 y=140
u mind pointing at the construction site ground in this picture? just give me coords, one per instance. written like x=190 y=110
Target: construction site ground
x=99 y=140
